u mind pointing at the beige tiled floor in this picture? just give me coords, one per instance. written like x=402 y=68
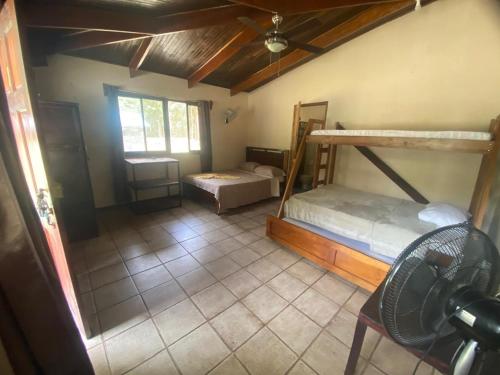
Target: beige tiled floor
x=185 y=291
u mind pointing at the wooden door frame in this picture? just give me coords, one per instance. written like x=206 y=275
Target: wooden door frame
x=38 y=332
x=41 y=105
x=66 y=279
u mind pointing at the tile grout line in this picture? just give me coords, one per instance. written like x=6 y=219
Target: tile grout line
x=165 y=347
x=103 y=341
x=162 y=340
x=174 y=278
x=323 y=329
x=238 y=300
x=291 y=304
x=208 y=321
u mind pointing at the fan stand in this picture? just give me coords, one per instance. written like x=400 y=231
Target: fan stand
x=440 y=357
x=471 y=359
x=462 y=365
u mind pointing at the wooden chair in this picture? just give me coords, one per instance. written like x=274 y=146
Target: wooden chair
x=440 y=356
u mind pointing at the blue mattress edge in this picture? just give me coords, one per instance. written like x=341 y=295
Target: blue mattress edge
x=362 y=247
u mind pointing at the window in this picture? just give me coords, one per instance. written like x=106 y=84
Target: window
x=184 y=127
x=145 y=127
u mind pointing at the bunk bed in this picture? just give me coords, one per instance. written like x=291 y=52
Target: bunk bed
x=357 y=235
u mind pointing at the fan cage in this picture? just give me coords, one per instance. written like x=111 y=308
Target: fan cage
x=424 y=276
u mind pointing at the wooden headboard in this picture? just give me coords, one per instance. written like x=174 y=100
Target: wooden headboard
x=268 y=156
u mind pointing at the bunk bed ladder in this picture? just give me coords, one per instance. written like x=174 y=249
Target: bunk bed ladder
x=321 y=165
x=321 y=161
x=325 y=164
x=295 y=165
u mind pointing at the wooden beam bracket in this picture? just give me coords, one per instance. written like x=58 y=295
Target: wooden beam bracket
x=389 y=172
x=139 y=56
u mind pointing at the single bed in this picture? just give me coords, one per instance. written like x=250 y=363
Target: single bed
x=236 y=187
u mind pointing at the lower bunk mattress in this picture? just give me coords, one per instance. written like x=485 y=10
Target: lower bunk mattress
x=376 y=225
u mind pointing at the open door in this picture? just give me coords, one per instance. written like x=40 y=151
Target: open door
x=28 y=146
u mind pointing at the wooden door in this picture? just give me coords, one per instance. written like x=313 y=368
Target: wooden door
x=67 y=167
x=28 y=146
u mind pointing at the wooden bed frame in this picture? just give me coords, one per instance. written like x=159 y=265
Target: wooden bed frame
x=347 y=262
x=265 y=156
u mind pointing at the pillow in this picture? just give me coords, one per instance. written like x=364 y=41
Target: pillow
x=443 y=214
x=248 y=166
x=269 y=171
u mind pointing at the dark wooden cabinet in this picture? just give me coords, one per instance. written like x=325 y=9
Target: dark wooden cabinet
x=67 y=168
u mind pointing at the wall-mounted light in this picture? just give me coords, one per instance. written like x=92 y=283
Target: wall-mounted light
x=229 y=115
x=417 y=5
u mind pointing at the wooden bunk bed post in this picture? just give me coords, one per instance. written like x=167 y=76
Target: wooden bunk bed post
x=295 y=129
x=485 y=177
x=295 y=168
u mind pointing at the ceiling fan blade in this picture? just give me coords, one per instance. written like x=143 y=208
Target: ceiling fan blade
x=302 y=27
x=250 y=44
x=252 y=24
x=305 y=47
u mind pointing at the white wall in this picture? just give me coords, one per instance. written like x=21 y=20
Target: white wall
x=80 y=80
x=433 y=69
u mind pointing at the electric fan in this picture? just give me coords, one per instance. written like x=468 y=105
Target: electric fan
x=442 y=284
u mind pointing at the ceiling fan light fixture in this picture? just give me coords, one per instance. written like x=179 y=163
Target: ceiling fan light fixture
x=276 y=43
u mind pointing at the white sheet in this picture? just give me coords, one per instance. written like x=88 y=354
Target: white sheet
x=275 y=184
x=387 y=224
x=469 y=135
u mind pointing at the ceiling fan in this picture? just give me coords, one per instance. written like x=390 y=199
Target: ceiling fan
x=275 y=40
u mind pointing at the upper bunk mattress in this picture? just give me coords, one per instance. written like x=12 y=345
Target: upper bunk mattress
x=386 y=224
x=465 y=135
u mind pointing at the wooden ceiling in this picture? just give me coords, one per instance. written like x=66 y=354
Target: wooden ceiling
x=199 y=40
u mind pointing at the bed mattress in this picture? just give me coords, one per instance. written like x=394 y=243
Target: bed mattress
x=387 y=225
x=237 y=188
x=465 y=135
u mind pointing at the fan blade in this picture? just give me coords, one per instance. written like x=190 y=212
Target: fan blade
x=250 y=44
x=301 y=28
x=252 y=24
x=305 y=47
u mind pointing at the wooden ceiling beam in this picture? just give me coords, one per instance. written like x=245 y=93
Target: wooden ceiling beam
x=91 y=38
x=206 y=17
x=362 y=22
x=139 y=56
x=304 y=6
x=58 y=16
x=226 y=52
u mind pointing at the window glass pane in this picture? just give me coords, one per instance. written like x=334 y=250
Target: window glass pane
x=131 y=121
x=194 y=128
x=177 y=118
x=153 y=122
